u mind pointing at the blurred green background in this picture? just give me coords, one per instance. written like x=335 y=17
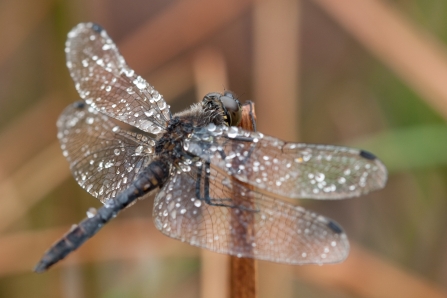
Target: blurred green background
x=370 y=74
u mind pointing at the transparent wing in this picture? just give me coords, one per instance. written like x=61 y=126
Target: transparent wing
x=256 y=226
x=104 y=81
x=289 y=169
x=104 y=158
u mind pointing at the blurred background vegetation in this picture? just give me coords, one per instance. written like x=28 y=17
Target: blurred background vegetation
x=370 y=74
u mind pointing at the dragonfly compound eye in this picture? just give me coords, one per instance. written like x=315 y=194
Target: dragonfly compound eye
x=232 y=108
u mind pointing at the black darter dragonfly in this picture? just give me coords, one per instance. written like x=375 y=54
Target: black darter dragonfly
x=201 y=161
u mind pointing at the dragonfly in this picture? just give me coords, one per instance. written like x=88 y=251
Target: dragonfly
x=220 y=187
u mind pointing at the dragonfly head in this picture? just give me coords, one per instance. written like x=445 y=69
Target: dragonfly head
x=230 y=108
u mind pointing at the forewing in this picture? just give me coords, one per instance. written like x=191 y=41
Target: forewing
x=104 y=81
x=104 y=159
x=254 y=225
x=293 y=170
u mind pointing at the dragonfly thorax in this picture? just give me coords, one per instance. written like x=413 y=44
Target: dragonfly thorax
x=170 y=145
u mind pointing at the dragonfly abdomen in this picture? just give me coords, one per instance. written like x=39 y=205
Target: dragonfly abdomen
x=155 y=175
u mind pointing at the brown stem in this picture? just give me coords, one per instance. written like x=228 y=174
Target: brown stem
x=243 y=274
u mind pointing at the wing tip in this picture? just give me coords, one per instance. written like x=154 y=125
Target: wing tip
x=383 y=176
x=83 y=26
x=343 y=246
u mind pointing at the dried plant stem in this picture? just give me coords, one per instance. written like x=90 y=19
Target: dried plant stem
x=243 y=271
x=243 y=277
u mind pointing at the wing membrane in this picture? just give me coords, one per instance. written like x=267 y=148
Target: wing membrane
x=104 y=158
x=104 y=81
x=257 y=226
x=289 y=169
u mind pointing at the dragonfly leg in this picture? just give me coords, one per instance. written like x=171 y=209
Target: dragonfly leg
x=206 y=190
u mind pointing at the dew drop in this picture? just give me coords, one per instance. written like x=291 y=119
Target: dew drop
x=162 y=105
x=140 y=82
x=211 y=127
x=149 y=113
x=319 y=177
x=156 y=96
x=139 y=150
x=91 y=212
x=128 y=72
x=155 y=130
x=232 y=132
